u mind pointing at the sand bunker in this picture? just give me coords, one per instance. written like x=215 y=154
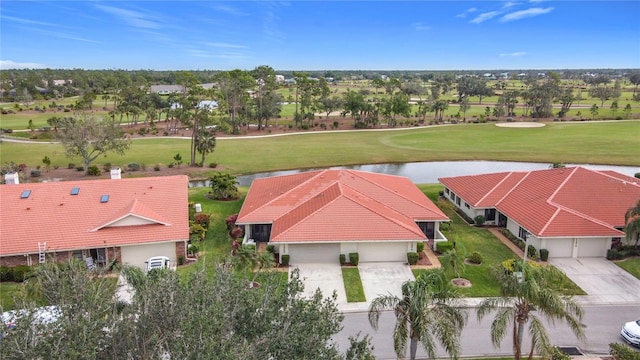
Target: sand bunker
x=520 y=124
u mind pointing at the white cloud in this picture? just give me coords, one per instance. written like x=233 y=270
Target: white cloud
x=531 y=12
x=420 y=26
x=484 y=17
x=224 y=45
x=513 y=54
x=10 y=64
x=468 y=11
x=133 y=18
x=228 y=9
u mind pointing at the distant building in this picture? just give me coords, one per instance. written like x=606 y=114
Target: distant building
x=279 y=79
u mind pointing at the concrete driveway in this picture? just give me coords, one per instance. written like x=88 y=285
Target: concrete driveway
x=603 y=281
x=326 y=277
x=377 y=279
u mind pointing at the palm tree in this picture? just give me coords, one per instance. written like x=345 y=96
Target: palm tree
x=523 y=302
x=428 y=311
x=632 y=223
x=205 y=143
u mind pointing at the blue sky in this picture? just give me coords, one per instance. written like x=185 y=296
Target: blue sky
x=320 y=35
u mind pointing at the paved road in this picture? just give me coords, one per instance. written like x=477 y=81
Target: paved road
x=602 y=326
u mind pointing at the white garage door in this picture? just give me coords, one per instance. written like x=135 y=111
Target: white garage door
x=592 y=248
x=314 y=253
x=560 y=248
x=377 y=252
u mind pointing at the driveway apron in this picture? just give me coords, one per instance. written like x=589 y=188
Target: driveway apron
x=603 y=281
x=324 y=276
x=383 y=278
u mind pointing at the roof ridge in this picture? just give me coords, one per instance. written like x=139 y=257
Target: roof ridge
x=526 y=175
x=377 y=212
x=386 y=188
x=328 y=188
x=133 y=210
x=494 y=188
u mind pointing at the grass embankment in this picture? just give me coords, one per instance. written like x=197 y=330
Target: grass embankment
x=613 y=143
x=469 y=239
x=631 y=265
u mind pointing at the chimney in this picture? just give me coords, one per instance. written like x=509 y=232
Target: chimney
x=115 y=173
x=11 y=178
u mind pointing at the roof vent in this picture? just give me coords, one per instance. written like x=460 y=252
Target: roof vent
x=11 y=178
x=25 y=194
x=75 y=191
x=116 y=173
x=104 y=198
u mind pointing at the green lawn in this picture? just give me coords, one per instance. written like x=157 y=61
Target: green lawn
x=631 y=265
x=353 y=284
x=613 y=142
x=7 y=291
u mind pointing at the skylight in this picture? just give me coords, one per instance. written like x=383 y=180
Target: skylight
x=75 y=191
x=104 y=198
x=25 y=194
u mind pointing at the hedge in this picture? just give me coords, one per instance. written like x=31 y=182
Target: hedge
x=444 y=246
x=412 y=258
x=354 y=258
x=420 y=247
x=343 y=259
x=285 y=259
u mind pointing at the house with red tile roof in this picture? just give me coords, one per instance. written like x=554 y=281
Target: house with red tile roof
x=315 y=216
x=129 y=220
x=573 y=212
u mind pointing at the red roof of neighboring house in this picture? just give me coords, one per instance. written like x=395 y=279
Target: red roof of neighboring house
x=338 y=205
x=572 y=201
x=138 y=210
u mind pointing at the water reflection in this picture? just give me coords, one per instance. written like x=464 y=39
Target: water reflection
x=429 y=172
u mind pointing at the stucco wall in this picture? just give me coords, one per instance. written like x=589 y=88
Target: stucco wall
x=136 y=255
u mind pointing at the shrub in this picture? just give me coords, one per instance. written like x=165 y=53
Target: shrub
x=156 y=167
x=637 y=175
x=20 y=272
x=202 y=219
x=622 y=352
x=35 y=173
x=133 y=167
x=464 y=216
x=532 y=252
x=285 y=260
x=213 y=165
x=71 y=166
x=412 y=258
x=354 y=258
x=544 y=254
x=444 y=246
x=343 y=259
x=180 y=260
x=271 y=249
x=79 y=168
x=193 y=249
x=614 y=254
x=170 y=165
x=250 y=247
x=475 y=258
x=106 y=167
x=6 y=274
x=478 y=220
x=420 y=247
x=94 y=171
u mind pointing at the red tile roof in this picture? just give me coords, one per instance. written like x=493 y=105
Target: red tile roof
x=69 y=222
x=338 y=205
x=572 y=201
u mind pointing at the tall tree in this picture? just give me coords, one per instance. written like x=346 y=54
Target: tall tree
x=265 y=95
x=632 y=223
x=205 y=143
x=428 y=313
x=233 y=86
x=526 y=301
x=86 y=136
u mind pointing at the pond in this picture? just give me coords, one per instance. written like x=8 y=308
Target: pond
x=429 y=172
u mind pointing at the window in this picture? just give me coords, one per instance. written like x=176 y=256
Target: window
x=458 y=201
x=446 y=191
x=523 y=234
x=467 y=205
x=104 y=198
x=75 y=191
x=490 y=214
x=25 y=194
x=452 y=195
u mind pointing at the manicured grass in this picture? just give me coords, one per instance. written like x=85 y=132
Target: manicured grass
x=7 y=291
x=631 y=265
x=613 y=142
x=353 y=284
x=469 y=239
